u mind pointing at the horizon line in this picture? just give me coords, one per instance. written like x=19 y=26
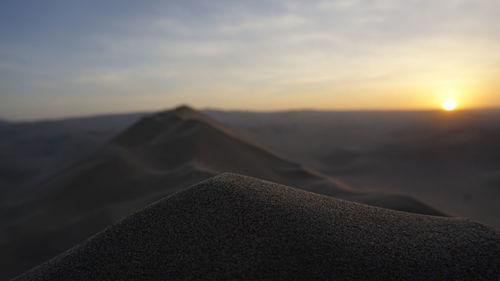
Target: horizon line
x=240 y=110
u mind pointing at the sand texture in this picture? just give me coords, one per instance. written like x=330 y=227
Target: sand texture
x=233 y=227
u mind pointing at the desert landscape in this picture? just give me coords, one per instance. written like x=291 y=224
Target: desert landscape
x=249 y=140
x=112 y=174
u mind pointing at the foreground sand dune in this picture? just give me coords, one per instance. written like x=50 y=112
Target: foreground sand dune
x=233 y=227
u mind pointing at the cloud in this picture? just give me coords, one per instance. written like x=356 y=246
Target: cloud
x=236 y=48
x=252 y=24
x=338 y=5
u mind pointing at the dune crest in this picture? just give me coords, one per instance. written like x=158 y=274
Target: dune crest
x=233 y=227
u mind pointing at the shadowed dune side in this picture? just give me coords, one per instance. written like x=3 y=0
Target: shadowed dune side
x=33 y=150
x=232 y=227
x=159 y=155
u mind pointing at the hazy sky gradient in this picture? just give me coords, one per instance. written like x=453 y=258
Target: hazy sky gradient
x=68 y=57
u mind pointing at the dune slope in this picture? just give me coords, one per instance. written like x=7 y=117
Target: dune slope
x=161 y=154
x=232 y=227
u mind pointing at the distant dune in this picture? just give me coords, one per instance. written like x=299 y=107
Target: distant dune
x=31 y=151
x=233 y=227
x=161 y=154
x=446 y=159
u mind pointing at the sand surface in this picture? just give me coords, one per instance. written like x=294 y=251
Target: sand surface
x=159 y=155
x=232 y=227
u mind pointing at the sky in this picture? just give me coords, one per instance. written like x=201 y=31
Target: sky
x=62 y=58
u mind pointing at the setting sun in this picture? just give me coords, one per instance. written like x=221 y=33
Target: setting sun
x=449 y=105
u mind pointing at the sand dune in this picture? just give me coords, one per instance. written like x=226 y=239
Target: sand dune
x=448 y=160
x=233 y=227
x=31 y=151
x=161 y=154
x=186 y=137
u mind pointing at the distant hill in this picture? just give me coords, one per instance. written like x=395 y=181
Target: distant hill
x=160 y=154
x=31 y=151
x=446 y=159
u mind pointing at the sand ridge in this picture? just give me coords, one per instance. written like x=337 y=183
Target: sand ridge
x=233 y=227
